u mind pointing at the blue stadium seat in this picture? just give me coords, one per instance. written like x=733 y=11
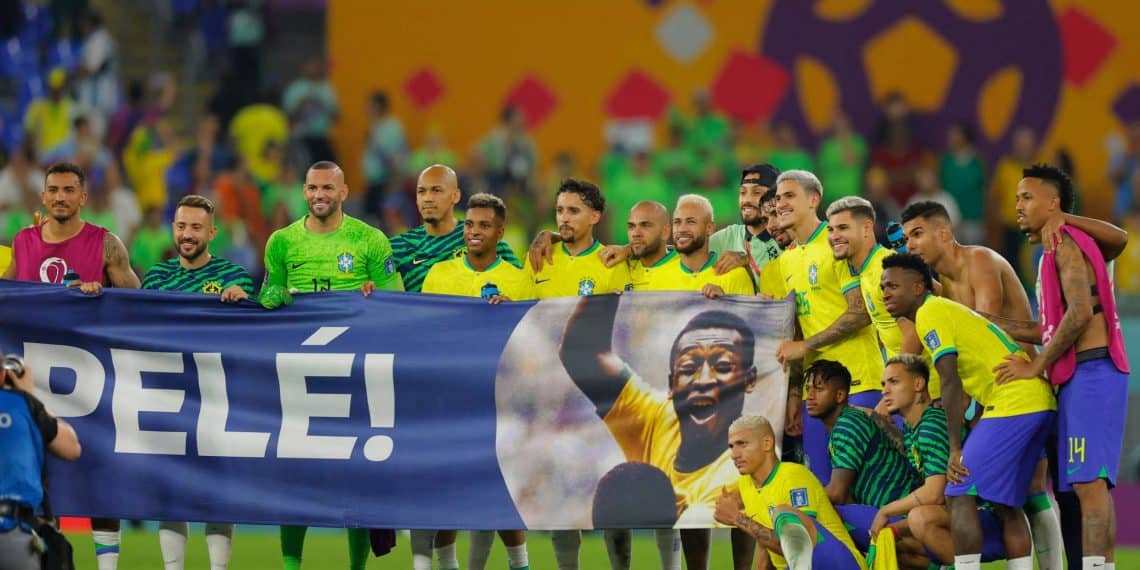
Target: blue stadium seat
x=16 y=60
x=64 y=53
x=37 y=25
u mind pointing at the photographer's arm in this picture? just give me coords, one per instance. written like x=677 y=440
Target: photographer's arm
x=58 y=435
x=66 y=442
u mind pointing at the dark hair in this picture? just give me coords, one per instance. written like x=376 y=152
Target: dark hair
x=135 y=91
x=79 y=122
x=911 y=262
x=67 y=168
x=380 y=99
x=720 y=320
x=924 y=209
x=588 y=191
x=485 y=200
x=634 y=494
x=912 y=363
x=767 y=172
x=858 y=207
x=830 y=372
x=967 y=131
x=1056 y=178
x=768 y=196
x=197 y=201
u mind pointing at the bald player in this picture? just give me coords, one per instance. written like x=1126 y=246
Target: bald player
x=441 y=236
x=981 y=279
x=648 y=230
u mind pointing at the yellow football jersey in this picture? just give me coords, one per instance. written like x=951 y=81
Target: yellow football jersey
x=639 y=274
x=947 y=327
x=795 y=485
x=578 y=275
x=820 y=282
x=772 y=281
x=457 y=277
x=645 y=426
x=677 y=277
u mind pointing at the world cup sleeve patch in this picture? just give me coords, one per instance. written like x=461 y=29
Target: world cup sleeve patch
x=799 y=498
x=389 y=266
x=932 y=341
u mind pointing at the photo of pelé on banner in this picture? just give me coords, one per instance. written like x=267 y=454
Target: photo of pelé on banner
x=620 y=417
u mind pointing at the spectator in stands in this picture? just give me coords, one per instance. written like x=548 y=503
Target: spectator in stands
x=640 y=182
x=47 y=121
x=245 y=33
x=787 y=154
x=900 y=157
x=209 y=156
x=878 y=192
x=21 y=181
x=841 y=159
x=1001 y=208
x=1124 y=162
x=929 y=190
x=434 y=151
x=98 y=84
x=385 y=152
x=713 y=185
x=310 y=102
x=252 y=129
x=708 y=128
x=127 y=116
x=151 y=242
x=962 y=175
x=675 y=163
x=510 y=157
x=152 y=149
x=239 y=201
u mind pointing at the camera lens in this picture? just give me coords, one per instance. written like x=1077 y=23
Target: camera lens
x=15 y=364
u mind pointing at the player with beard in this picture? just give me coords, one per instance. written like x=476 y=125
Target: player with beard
x=979 y=278
x=64 y=243
x=678 y=431
x=196 y=270
x=327 y=250
x=693 y=223
x=748 y=243
x=1084 y=355
x=440 y=238
x=648 y=230
x=830 y=311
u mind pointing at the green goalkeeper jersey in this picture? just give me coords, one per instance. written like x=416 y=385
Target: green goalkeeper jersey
x=341 y=260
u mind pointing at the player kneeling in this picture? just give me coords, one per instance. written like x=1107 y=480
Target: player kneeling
x=782 y=505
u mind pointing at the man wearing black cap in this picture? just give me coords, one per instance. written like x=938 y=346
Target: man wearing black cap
x=749 y=240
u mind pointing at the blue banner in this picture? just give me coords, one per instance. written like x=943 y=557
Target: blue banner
x=392 y=411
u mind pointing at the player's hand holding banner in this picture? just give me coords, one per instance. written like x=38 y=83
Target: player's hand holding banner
x=342 y=410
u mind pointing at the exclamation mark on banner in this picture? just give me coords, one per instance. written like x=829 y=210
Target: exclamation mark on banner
x=381 y=390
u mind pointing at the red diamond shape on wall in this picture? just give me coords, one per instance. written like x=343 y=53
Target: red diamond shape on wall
x=1087 y=44
x=423 y=88
x=749 y=86
x=638 y=96
x=535 y=99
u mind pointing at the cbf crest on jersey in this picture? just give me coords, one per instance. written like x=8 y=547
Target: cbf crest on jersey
x=799 y=497
x=932 y=340
x=813 y=275
x=586 y=287
x=344 y=262
x=212 y=288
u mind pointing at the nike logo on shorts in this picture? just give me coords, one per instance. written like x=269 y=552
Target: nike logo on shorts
x=1072 y=470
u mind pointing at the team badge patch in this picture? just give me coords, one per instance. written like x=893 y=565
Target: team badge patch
x=586 y=287
x=932 y=341
x=390 y=265
x=813 y=275
x=799 y=498
x=344 y=262
x=212 y=288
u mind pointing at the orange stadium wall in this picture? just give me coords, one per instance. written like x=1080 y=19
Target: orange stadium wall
x=1069 y=69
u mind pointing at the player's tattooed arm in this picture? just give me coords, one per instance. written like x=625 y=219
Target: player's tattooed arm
x=1075 y=285
x=855 y=318
x=116 y=263
x=765 y=537
x=889 y=429
x=1021 y=331
x=587 y=353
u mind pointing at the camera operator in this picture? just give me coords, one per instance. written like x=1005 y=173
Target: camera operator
x=26 y=430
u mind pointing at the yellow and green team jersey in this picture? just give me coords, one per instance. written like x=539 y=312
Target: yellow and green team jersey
x=947 y=327
x=771 y=280
x=644 y=424
x=820 y=282
x=890 y=335
x=457 y=277
x=677 y=277
x=795 y=485
x=341 y=260
x=578 y=275
x=640 y=274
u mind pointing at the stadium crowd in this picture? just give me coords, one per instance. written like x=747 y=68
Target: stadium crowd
x=929 y=414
